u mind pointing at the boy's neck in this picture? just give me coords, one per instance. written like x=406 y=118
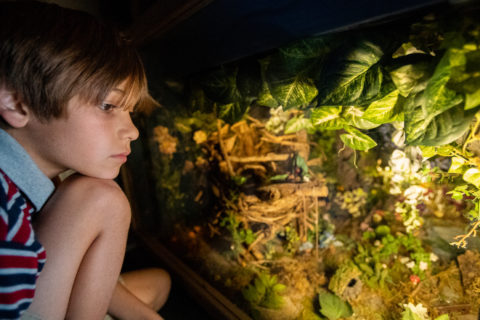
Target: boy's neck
x=22 y=137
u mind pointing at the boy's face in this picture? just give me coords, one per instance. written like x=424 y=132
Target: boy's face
x=92 y=140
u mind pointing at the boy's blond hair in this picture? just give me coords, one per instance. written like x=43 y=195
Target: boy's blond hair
x=49 y=54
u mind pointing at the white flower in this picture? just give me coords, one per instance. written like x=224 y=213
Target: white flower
x=411 y=264
x=398 y=138
x=423 y=265
x=404 y=260
x=433 y=257
x=414 y=192
x=419 y=310
x=399 y=162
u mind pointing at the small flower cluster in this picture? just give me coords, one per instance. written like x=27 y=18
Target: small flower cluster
x=404 y=177
x=278 y=119
x=418 y=265
x=353 y=201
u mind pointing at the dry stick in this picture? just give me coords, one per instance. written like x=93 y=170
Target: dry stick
x=257 y=122
x=222 y=147
x=267 y=158
x=316 y=228
x=304 y=217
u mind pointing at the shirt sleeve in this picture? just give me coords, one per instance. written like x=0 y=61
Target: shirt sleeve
x=21 y=255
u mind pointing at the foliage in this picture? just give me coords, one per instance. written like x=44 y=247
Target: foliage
x=380 y=249
x=239 y=234
x=265 y=292
x=353 y=201
x=418 y=312
x=332 y=307
x=428 y=79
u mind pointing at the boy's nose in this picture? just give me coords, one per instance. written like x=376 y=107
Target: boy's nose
x=130 y=132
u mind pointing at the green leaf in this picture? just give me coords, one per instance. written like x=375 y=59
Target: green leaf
x=472 y=100
x=457 y=165
x=279 y=287
x=328 y=117
x=428 y=152
x=472 y=176
x=354 y=116
x=265 y=97
x=432 y=128
x=279 y=177
x=299 y=123
x=333 y=307
x=353 y=77
x=438 y=97
x=303 y=56
x=232 y=112
x=220 y=85
x=443 y=317
x=357 y=140
x=410 y=78
x=385 y=109
x=293 y=91
x=406 y=49
x=445 y=151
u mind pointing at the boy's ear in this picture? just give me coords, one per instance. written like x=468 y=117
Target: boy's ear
x=12 y=110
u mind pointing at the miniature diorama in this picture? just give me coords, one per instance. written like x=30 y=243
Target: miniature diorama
x=336 y=177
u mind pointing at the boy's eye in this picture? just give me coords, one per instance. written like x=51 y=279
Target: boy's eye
x=108 y=106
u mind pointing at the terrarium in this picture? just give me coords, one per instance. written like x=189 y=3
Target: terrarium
x=335 y=177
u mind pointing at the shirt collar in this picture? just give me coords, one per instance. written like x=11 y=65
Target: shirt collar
x=20 y=168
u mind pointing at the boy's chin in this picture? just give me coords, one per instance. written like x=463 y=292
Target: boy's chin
x=106 y=175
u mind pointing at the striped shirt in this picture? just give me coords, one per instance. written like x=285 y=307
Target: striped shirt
x=21 y=256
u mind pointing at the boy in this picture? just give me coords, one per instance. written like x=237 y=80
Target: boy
x=67 y=86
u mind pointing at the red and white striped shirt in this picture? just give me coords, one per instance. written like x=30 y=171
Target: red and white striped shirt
x=24 y=189
x=21 y=256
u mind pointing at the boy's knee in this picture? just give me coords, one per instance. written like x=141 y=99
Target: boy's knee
x=99 y=197
x=163 y=283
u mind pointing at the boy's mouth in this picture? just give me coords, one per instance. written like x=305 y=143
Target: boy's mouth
x=121 y=156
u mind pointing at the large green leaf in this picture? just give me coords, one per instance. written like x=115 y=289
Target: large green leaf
x=354 y=116
x=232 y=112
x=353 y=77
x=357 y=140
x=333 y=307
x=220 y=85
x=299 y=123
x=438 y=97
x=472 y=176
x=303 y=56
x=434 y=128
x=385 y=110
x=291 y=90
x=436 y=116
x=328 y=117
x=411 y=78
x=265 y=97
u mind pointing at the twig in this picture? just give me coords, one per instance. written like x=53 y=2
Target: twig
x=462 y=242
x=222 y=147
x=267 y=158
x=316 y=227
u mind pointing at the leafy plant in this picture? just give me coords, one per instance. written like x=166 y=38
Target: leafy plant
x=332 y=307
x=379 y=249
x=265 y=292
x=239 y=235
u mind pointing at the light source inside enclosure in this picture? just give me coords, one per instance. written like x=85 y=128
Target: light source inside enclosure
x=333 y=177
